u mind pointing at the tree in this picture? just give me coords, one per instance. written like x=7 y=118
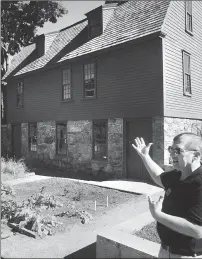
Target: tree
x=19 y=21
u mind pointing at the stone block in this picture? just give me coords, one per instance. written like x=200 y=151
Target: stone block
x=164 y=138
x=46 y=136
x=6 y=140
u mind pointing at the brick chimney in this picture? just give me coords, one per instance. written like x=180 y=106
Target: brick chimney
x=40 y=45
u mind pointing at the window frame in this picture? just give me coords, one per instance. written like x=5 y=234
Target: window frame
x=63 y=85
x=56 y=142
x=186 y=18
x=22 y=94
x=29 y=136
x=94 y=157
x=184 y=72
x=95 y=79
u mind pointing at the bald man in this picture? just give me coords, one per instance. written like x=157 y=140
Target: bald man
x=179 y=213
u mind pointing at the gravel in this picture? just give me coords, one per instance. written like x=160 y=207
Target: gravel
x=149 y=232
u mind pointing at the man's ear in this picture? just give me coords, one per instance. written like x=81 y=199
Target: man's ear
x=197 y=155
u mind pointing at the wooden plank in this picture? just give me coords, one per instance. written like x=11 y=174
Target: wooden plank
x=24 y=231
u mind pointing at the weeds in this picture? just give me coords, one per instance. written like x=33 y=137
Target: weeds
x=13 y=167
x=27 y=213
x=78 y=193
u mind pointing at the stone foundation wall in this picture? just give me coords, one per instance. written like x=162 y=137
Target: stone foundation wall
x=158 y=140
x=115 y=146
x=113 y=167
x=46 y=137
x=175 y=126
x=79 y=144
x=6 y=140
x=164 y=130
x=24 y=140
x=79 y=147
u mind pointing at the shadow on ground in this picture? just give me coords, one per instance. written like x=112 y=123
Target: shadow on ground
x=86 y=252
x=40 y=168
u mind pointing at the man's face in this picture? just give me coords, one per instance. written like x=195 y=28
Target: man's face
x=181 y=157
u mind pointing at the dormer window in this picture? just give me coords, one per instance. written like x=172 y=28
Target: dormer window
x=95 y=28
x=94 y=22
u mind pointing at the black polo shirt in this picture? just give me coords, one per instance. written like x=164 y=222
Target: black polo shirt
x=182 y=199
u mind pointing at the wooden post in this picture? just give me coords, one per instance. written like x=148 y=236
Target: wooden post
x=107 y=202
x=95 y=205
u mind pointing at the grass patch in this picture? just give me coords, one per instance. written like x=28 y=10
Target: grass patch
x=11 y=169
x=149 y=232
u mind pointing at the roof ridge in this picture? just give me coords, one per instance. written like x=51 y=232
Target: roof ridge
x=73 y=24
x=52 y=32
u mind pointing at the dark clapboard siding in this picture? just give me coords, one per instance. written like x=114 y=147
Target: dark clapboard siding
x=129 y=84
x=176 y=40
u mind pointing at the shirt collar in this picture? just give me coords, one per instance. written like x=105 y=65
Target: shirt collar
x=195 y=173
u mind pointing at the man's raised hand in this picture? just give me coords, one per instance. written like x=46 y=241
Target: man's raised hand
x=141 y=147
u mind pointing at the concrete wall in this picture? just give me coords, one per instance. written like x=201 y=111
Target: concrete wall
x=120 y=242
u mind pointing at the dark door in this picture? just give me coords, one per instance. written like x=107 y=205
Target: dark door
x=135 y=167
x=16 y=140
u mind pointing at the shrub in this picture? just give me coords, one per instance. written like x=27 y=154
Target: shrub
x=8 y=204
x=13 y=167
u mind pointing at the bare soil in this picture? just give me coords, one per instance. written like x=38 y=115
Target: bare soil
x=75 y=195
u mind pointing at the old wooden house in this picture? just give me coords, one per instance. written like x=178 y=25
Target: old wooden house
x=77 y=98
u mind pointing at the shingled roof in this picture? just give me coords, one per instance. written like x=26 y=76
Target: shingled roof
x=131 y=20
x=19 y=58
x=63 y=38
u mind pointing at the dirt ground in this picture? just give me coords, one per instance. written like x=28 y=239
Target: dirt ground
x=122 y=206
x=79 y=196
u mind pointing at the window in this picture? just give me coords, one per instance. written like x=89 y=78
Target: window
x=61 y=142
x=188 y=18
x=186 y=73
x=89 y=80
x=95 y=27
x=32 y=136
x=20 y=94
x=66 y=84
x=100 y=139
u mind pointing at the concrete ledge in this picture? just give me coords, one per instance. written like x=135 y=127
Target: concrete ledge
x=118 y=242
x=135 y=223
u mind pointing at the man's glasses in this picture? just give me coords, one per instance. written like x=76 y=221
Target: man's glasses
x=178 y=150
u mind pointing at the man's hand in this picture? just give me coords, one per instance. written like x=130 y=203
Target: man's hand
x=155 y=207
x=141 y=147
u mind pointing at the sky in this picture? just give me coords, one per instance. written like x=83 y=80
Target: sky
x=76 y=12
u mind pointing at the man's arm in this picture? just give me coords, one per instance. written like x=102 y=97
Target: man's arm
x=143 y=151
x=180 y=225
x=154 y=170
